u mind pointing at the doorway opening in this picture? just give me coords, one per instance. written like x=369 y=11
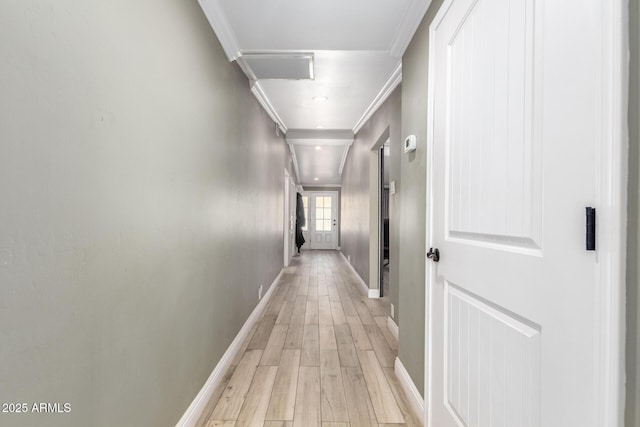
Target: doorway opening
x=321 y=213
x=379 y=209
x=383 y=209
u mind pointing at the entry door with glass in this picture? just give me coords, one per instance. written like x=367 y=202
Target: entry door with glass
x=322 y=219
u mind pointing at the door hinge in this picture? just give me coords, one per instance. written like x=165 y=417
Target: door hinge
x=591 y=229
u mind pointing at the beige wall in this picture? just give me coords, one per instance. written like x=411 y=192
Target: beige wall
x=633 y=255
x=138 y=179
x=356 y=192
x=413 y=207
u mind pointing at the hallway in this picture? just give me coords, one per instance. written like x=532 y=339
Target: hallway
x=320 y=355
x=151 y=153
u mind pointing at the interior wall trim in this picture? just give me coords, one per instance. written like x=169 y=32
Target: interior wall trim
x=196 y=408
x=410 y=21
x=393 y=327
x=263 y=99
x=413 y=395
x=246 y=68
x=345 y=153
x=296 y=169
x=362 y=283
x=611 y=200
x=392 y=82
x=221 y=27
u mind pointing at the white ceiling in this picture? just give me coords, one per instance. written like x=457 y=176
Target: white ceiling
x=315 y=25
x=349 y=79
x=356 y=46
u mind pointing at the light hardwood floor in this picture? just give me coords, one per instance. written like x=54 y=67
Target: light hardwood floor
x=321 y=355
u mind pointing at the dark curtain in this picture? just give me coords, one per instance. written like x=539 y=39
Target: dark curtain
x=300 y=221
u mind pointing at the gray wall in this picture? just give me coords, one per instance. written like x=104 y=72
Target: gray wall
x=633 y=256
x=138 y=179
x=354 y=232
x=356 y=191
x=413 y=206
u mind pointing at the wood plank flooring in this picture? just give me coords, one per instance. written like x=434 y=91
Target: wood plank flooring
x=321 y=355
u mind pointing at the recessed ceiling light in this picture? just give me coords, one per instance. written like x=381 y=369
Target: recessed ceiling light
x=316 y=178
x=320 y=98
x=318 y=147
x=319 y=127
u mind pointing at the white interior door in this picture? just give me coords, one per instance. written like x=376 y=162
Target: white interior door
x=516 y=126
x=323 y=219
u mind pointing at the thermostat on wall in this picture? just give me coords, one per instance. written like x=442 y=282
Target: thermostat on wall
x=410 y=143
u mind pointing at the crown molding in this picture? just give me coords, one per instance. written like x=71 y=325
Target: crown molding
x=263 y=99
x=344 y=158
x=218 y=21
x=246 y=68
x=410 y=21
x=392 y=82
x=295 y=161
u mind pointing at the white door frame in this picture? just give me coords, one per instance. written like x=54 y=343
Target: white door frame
x=375 y=220
x=287 y=219
x=611 y=199
x=305 y=233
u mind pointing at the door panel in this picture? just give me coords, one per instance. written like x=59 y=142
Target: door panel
x=514 y=119
x=491 y=363
x=493 y=183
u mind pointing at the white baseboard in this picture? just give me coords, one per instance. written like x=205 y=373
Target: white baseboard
x=197 y=407
x=393 y=327
x=415 y=399
x=365 y=287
